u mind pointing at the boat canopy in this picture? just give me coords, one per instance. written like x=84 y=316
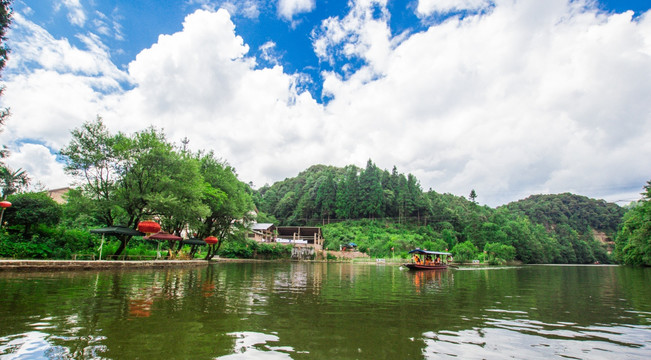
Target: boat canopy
x=419 y=251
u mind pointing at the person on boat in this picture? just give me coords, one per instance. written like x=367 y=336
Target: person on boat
x=438 y=259
x=428 y=259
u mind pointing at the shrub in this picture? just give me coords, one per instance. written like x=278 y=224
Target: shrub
x=464 y=252
x=499 y=253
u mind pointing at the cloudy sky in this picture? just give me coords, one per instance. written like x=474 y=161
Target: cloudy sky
x=507 y=97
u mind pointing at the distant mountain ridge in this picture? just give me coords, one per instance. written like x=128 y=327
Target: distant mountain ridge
x=579 y=212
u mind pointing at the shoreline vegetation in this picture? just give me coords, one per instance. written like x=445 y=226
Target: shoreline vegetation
x=129 y=178
x=26 y=266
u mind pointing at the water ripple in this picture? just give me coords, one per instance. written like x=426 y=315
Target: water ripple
x=527 y=339
x=255 y=345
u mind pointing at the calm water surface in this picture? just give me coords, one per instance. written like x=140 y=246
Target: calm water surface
x=328 y=311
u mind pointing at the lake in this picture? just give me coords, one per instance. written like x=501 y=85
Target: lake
x=270 y=310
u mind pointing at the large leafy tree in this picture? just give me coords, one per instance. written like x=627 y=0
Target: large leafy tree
x=179 y=201
x=92 y=157
x=129 y=178
x=155 y=180
x=228 y=199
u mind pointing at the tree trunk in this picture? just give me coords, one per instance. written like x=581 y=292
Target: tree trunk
x=210 y=253
x=123 y=244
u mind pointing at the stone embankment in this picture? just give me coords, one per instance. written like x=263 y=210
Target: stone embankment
x=348 y=255
x=58 y=265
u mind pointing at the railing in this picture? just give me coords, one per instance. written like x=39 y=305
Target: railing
x=119 y=257
x=136 y=257
x=81 y=256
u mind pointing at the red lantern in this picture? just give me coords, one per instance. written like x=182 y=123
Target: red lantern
x=148 y=227
x=5 y=204
x=211 y=240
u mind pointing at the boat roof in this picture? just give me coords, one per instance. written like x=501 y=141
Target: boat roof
x=419 y=251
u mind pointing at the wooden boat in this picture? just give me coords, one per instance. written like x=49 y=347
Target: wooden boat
x=428 y=260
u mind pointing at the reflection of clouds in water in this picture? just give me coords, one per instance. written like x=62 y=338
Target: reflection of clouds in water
x=38 y=345
x=30 y=345
x=254 y=345
x=525 y=339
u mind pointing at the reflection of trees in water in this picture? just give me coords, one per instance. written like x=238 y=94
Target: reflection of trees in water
x=432 y=279
x=329 y=310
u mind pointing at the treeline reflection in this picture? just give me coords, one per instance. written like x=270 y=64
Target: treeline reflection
x=325 y=310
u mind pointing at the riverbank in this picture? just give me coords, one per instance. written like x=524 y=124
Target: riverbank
x=60 y=265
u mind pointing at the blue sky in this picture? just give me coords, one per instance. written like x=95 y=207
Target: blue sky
x=132 y=26
x=509 y=98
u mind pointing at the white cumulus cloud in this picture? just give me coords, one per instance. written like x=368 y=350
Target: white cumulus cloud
x=529 y=97
x=41 y=166
x=76 y=13
x=288 y=8
x=428 y=7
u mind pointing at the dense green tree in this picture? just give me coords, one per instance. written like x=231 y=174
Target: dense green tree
x=326 y=196
x=269 y=199
x=32 y=209
x=526 y=238
x=390 y=185
x=581 y=250
x=306 y=207
x=178 y=202
x=490 y=233
x=230 y=203
x=499 y=253
x=347 y=194
x=449 y=237
x=79 y=211
x=633 y=242
x=417 y=205
x=473 y=196
x=464 y=252
x=370 y=191
x=285 y=207
x=404 y=202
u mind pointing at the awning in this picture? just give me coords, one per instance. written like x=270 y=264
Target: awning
x=163 y=235
x=419 y=251
x=194 y=242
x=117 y=230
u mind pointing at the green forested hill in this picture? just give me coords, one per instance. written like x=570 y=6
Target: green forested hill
x=579 y=212
x=325 y=193
x=388 y=212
